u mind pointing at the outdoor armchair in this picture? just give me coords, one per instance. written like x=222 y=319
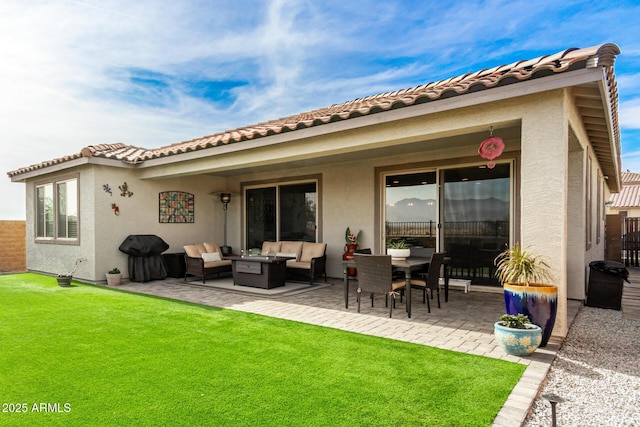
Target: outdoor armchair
x=204 y=259
x=375 y=277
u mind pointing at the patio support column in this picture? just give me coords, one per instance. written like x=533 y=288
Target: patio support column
x=544 y=188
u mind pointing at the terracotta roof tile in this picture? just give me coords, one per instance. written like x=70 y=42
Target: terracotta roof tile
x=630 y=178
x=628 y=197
x=602 y=55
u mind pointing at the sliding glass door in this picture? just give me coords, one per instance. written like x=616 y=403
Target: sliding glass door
x=281 y=212
x=464 y=211
x=411 y=211
x=476 y=219
x=261 y=216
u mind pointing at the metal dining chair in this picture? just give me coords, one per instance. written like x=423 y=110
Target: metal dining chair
x=375 y=276
x=431 y=279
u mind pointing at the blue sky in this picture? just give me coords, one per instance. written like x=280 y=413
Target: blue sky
x=151 y=73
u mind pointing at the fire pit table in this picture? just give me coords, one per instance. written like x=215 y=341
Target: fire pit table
x=258 y=271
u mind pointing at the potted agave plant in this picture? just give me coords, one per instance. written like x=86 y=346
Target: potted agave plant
x=517 y=335
x=64 y=279
x=524 y=277
x=398 y=249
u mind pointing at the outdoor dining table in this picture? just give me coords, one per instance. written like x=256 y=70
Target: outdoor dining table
x=407 y=266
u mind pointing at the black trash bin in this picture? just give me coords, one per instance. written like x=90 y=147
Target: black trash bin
x=605 y=284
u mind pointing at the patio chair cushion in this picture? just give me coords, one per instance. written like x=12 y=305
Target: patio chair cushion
x=211 y=256
x=291 y=248
x=194 y=251
x=312 y=250
x=211 y=247
x=292 y=263
x=268 y=247
x=214 y=264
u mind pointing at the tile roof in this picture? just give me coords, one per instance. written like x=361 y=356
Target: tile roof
x=567 y=60
x=629 y=195
x=630 y=178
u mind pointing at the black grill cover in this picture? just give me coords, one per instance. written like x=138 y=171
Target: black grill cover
x=145 y=261
x=143 y=244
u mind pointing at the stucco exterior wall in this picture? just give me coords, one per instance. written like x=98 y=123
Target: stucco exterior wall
x=586 y=211
x=632 y=212
x=349 y=195
x=555 y=196
x=102 y=232
x=139 y=214
x=544 y=190
x=60 y=258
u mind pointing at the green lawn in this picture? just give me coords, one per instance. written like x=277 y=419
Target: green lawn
x=92 y=356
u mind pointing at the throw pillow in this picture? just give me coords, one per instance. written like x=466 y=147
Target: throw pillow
x=288 y=255
x=211 y=256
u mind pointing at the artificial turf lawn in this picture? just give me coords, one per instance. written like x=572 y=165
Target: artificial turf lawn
x=103 y=357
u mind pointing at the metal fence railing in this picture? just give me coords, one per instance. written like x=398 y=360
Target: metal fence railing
x=631 y=241
x=451 y=228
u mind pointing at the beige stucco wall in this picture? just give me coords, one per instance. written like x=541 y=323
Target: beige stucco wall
x=632 y=212
x=60 y=258
x=102 y=231
x=349 y=193
x=139 y=214
x=581 y=155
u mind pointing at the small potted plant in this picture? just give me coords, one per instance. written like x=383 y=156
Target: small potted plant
x=352 y=241
x=398 y=249
x=522 y=274
x=114 y=277
x=64 y=279
x=517 y=335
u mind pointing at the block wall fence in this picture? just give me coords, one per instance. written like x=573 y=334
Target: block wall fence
x=13 y=246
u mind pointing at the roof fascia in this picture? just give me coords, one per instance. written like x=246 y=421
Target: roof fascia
x=58 y=167
x=604 y=91
x=529 y=87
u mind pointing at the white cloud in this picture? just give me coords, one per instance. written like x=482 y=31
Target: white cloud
x=630 y=114
x=66 y=65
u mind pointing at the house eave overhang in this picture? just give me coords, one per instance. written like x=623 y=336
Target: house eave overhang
x=66 y=165
x=153 y=168
x=613 y=154
x=589 y=71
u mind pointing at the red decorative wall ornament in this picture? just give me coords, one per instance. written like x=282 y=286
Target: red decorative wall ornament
x=491 y=148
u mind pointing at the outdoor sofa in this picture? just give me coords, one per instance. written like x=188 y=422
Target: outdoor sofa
x=308 y=260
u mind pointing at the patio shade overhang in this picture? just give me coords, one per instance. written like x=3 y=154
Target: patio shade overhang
x=587 y=73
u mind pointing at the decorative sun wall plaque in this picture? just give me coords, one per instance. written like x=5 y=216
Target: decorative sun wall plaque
x=176 y=206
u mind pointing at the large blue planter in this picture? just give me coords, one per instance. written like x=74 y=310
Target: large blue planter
x=538 y=302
